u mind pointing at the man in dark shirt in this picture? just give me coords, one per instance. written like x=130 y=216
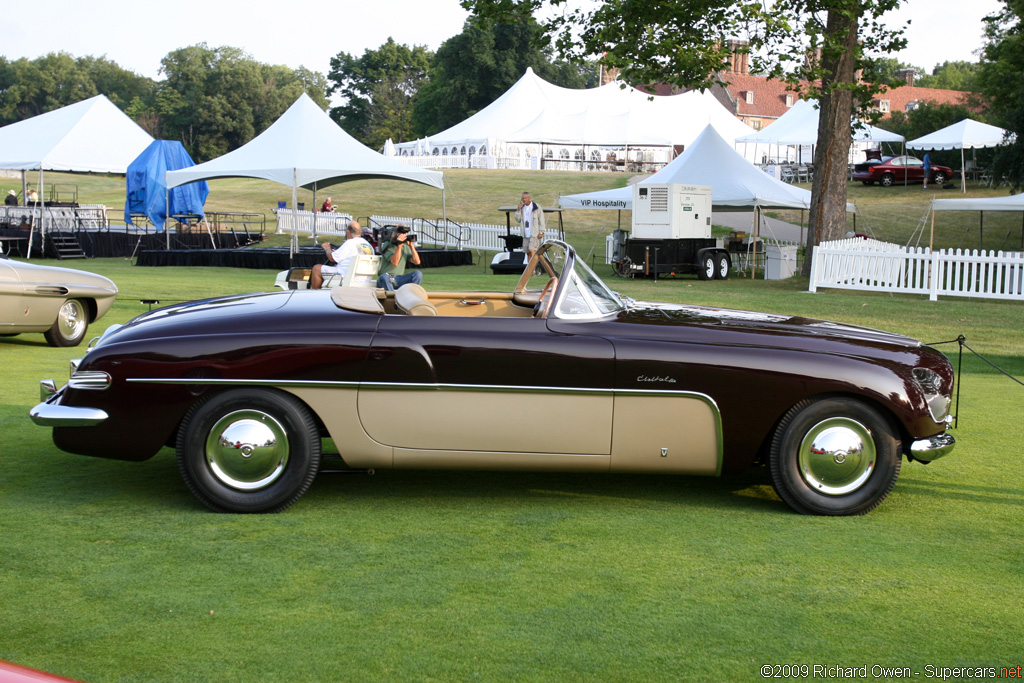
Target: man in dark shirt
x=401 y=249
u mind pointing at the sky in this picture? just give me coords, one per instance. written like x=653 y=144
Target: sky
x=137 y=35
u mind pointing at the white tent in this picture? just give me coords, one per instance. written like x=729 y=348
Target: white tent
x=736 y=184
x=799 y=127
x=966 y=134
x=535 y=112
x=305 y=148
x=1013 y=202
x=91 y=136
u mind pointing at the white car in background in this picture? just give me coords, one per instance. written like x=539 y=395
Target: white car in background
x=59 y=302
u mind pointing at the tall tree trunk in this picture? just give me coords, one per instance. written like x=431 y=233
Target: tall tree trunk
x=827 y=220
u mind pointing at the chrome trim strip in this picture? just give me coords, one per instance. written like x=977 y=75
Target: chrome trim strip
x=53 y=415
x=932 y=447
x=415 y=385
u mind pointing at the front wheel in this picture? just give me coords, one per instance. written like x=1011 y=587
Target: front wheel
x=939 y=178
x=834 y=456
x=70 y=326
x=248 y=450
x=707 y=267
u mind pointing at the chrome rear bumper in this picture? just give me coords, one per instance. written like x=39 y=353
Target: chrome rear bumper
x=932 y=447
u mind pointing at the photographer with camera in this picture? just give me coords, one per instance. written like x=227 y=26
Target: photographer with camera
x=397 y=251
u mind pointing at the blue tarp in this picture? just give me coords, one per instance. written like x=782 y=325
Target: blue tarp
x=146 y=190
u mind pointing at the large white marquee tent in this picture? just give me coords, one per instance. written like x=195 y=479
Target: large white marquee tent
x=535 y=118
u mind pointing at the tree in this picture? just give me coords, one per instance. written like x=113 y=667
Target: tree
x=379 y=88
x=951 y=76
x=217 y=99
x=475 y=67
x=1002 y=69
x=817 y=46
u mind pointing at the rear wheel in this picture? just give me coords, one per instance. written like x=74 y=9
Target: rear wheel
x=70 y=326
x=248 y=450
x=721 y=267
x=834 y=456
x=707 y=267
x=868 y=182
x=887 y=180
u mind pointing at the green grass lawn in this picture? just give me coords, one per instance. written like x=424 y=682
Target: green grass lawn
x=111 y=571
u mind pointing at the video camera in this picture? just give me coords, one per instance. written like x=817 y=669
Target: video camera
x=391 y=231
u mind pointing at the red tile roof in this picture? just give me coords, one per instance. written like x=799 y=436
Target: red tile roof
x=769 y=96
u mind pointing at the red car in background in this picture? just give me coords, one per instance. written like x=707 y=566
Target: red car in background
x=889 y=171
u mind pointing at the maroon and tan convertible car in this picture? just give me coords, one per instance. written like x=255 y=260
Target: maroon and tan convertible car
x=558 y=374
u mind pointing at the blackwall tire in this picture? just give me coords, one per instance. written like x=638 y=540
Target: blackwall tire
x=707 y=267
x=70 y=326
x=721 y=267
x=248 y=450
x=888 y=179
x=939 y=178
x=834 y=456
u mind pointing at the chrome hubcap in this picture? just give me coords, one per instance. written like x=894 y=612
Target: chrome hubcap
x=837 y=456
x=247 y=450
x=71 y=320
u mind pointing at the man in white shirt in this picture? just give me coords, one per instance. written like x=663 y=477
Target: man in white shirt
x=353 y=246
x=531 y=217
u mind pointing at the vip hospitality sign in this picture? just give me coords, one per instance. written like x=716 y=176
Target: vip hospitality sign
x=603 y=204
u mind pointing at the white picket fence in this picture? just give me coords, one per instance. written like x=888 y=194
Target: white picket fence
x=871 y=265
x=312 y=222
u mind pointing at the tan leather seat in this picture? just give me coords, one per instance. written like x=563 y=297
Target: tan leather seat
x=411 y=299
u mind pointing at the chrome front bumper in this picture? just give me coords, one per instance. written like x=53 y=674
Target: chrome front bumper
x=932 y=447
x=50 y=413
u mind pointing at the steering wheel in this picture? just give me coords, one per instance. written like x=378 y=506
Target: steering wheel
x=546 y=295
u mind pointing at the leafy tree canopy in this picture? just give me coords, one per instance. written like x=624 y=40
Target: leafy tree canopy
x=32 y=87
x=1000 y=76
x=378 y=88
x=475 y=67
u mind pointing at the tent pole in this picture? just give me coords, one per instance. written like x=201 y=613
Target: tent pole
x=24 y=186
x=32 y=220
x=315 y=213
x=931 y=237
x=167 y=213
x=963 y=173
x=295 y=217
x=42 y=211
